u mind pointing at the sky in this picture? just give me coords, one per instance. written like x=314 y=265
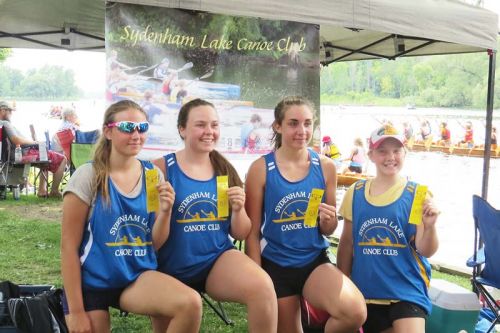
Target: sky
x=89 y=66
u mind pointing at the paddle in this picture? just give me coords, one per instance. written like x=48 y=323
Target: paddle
x=183 y=68
x=428 y=142
x=134 y=68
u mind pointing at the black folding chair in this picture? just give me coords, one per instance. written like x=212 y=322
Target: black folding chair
x=485 y=261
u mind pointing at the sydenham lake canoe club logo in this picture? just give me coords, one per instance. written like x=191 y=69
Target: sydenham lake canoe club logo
x=130 y=236
x=292 y=209
x=380 y=236
x=199 y=212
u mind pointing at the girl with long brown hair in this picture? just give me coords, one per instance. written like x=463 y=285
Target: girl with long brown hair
x=109 y=237
x=199 y=251
x=289 y=248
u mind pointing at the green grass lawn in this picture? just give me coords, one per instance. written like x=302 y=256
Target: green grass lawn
x=29 y=254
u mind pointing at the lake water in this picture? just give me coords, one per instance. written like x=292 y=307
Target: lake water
x=452 y=179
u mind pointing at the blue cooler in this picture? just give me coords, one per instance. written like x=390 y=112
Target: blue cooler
x=454 y=308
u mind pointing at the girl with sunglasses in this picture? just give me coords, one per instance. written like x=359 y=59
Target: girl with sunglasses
x=199 y=251
x=109 y=237
x=289 y=248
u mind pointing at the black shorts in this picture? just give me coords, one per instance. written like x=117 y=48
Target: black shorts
x=199 y=281
x=290 y=281
x=97 y=299
x=381 y=316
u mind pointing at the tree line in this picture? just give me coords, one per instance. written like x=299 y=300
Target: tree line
x=458 y=81
x=47 y=82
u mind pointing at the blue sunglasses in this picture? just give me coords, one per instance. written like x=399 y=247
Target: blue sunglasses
x=130 y=126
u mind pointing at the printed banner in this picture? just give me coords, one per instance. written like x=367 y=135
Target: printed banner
x=163 y=57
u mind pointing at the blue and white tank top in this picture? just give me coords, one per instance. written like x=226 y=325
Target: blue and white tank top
x=285 y=239
x=117 y=242
x=386 y=264
x=197 y=236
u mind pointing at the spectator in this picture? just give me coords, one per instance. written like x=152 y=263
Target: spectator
x=69 y=121
x=57 y=161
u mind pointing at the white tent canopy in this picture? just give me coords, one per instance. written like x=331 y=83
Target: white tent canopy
x=349 y=29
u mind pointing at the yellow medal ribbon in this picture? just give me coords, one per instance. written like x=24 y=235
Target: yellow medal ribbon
x=311 y=215
x=418 y=205
x=222 y=199
x=152 y=195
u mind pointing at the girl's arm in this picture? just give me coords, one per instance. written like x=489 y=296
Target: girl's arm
x=254 y=188
x=161 y=227
x=327 y=210
x=240 y=222
x=345 y=251
x=426 y=240
x=75 y=213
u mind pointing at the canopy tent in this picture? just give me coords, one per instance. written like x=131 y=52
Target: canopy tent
x=349 y=29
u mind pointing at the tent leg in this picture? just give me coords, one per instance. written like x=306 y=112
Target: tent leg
x=489 y=121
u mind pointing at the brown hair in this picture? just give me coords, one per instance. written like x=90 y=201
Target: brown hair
x=220 y=164
x=279 y=114
x=103 y=148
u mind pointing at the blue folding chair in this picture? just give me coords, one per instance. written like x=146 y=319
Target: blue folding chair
x=485 y=261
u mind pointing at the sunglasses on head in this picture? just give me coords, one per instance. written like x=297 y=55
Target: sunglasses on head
x=130 y=126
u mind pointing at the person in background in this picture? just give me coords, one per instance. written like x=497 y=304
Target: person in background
x=198 y=251
x=152 y=109
x=292 y=252
x=57 y=161
x=494 y=137
x=468 y=140
x=425 y=131
x=380 y=249
x=69 y=121
x=331 y=150
x=407 y=131
x=445 y=135
x=109 y=237
x=357 y=158
x=249 y=135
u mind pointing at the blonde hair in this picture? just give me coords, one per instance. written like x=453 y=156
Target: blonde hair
x=102 y=151
x=279 y=114
x=220 y=164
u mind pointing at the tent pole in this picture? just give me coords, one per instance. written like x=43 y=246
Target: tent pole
x=489 y=121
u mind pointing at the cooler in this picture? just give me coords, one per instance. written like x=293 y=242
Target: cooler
x=454 y=308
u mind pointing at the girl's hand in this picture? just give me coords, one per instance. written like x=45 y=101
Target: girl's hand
x=78 y=323
x=429 y=214
x=167 y=196
x=327 y=214
x=236 y=196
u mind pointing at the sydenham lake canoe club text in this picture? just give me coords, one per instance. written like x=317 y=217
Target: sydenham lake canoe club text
x=221 y=43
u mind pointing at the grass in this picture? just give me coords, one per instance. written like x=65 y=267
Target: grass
x=29 y=253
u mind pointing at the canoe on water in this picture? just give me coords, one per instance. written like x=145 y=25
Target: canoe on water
x=350 y=178
x=201 y=89
x=453 y=150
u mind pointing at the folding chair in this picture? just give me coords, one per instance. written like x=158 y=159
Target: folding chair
x=83 y=147
x=485 y=261
x=65 y=138
x=42 y=166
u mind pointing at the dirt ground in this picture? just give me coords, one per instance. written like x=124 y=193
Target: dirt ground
x=48 y=210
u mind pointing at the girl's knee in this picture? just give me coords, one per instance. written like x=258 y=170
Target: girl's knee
x=355 y=313
x=192 y=302
x=264 y=287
